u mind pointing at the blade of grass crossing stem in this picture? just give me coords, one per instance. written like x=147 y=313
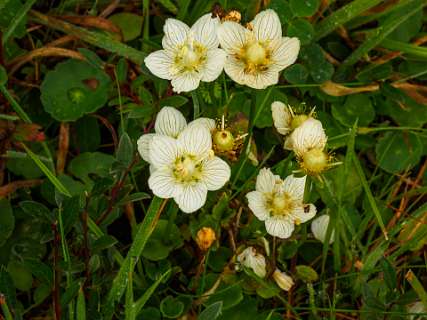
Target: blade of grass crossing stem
x=143 y=233
x=369 y=195
x=342 y=15
x=417 y=286
x=81 y=305
x=17 y=19
x=140 y=303
x=379 y=34
x=52 y=178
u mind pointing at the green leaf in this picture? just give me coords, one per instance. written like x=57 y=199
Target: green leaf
x=389 y=274
x=304 y=8
x=219 y=258
x=356 y=107
x=212 y=312
x=130 y=24
x=302 y=29
x=81 y=305
x=171 y=307
x=36 y=209
x=306 y=273
x=73 y=89
x=88 y=134
x=43 y=291
x=89 y=163
x=21 y=275
x=125 y=150
x=173 y=101
x=230 y=296
x=398 y=151
x=296 y=74
x=3 y=76
x=7 y=220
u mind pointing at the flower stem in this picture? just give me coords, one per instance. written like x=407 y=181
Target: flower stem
x=196 y=104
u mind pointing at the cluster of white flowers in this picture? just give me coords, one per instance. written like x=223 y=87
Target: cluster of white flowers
x=182 y=164
x=251 y=56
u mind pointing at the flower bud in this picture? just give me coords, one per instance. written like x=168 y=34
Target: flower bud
x=319 y=226
x=249 y=258
x=298 y=120
x=314 y=161
x=223 y=140
x=306 y=273
x=205 y=237
x=284 y=281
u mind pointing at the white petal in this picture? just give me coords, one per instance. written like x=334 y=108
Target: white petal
x=175 y=34
x=185 y=82
x=204 y=31
x=144 y=146
x=215 y=60
x=206 y=122
x=232 y=36
x=195 y=140
x=163 y=184
x=192 y=198
x=216 y=172
x=287 y=145
x=249 y=258
x=259 y=265
x=284 y=52
x=266 y=26
x=234 y=68
x=279 y=227
x=282 y=117
x=170 y=122
x=303 y=213
x=256 y=202
x=284 y=281
x=163 y=151
x=266 y=180
x=262 y=80
x=295 y=187
x=308 y=136
x=319 y=227
x=159 y=63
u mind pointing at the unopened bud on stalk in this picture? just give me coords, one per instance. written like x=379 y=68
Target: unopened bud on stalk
x=205 y=237
x=284 y=281
x=223 y=140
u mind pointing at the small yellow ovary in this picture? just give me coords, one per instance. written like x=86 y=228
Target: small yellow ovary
x=187 y=169
x=280 y=204
x=256 y=57
x=190 y=57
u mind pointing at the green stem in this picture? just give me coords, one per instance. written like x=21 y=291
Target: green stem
x=196 y=104
x=15 y=106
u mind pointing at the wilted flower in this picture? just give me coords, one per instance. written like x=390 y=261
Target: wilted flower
x=319 y=226
x=185 y=168
x=249 y=258
x=189 y=55
x=169 y=122
x=256 y=54
x=205 y=237
x=284 y=281
x=280 y=203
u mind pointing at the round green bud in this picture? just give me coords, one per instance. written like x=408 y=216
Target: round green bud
x=223 y=140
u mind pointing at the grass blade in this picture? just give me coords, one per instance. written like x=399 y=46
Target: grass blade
x=143 y=233
x=6 y=312
x=17 y=19
x=16 y=107
x=52 y=178
x=81 y=305
x=404 y=47
x=417 y=286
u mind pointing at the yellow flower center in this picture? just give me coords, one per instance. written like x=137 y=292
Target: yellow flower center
x=281 y=204
x=190 y=57
x=256 y=57
x=187 y=169
x=314 y=161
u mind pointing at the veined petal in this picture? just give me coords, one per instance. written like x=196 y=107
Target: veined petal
x=319 y=227
x=303 y=213
x=234 y=68
x=176 y=33
x=159 y=63
x=206 y=122
x=262 y=80
x=216 y=172
x=282 y=118
x=184 y=82
x=204 y=31
x=144 y=146
x=195 y=140
x=279 y=227
x=163 y=151
x=170 y=122
x=284 y=52
x=308 y=136
x=295 y=187
x=192 y=197
x=266 y=26
x=215 y=60
x=266 y=180
x=232 y=36
x=163 y=184
x=256 y=202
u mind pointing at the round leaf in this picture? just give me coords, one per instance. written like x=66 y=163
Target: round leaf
x=171 y=307
x=129 y=23
x=304 y=8
x=21 y=275
x=302 y=29
x=356 y=106
x=73 y=89
x=296 y=74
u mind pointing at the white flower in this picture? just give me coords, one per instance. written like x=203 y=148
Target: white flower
x=319 y=226
x=189 y=55
x=280 y=203
x=284 y=281
x=169 y=122
x=256 y=55
x=309 y=135
x=415 y=308
x=249 y=258
x=185 y=168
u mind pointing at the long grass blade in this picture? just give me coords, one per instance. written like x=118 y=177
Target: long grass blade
x=17 y=19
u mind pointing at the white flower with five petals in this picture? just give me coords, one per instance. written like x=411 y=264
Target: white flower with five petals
x=308 y=136
x=189 y=55
x=169 y=122
x=185 y=168
x=251 y=259
x=280 y=203
x=256 y=55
